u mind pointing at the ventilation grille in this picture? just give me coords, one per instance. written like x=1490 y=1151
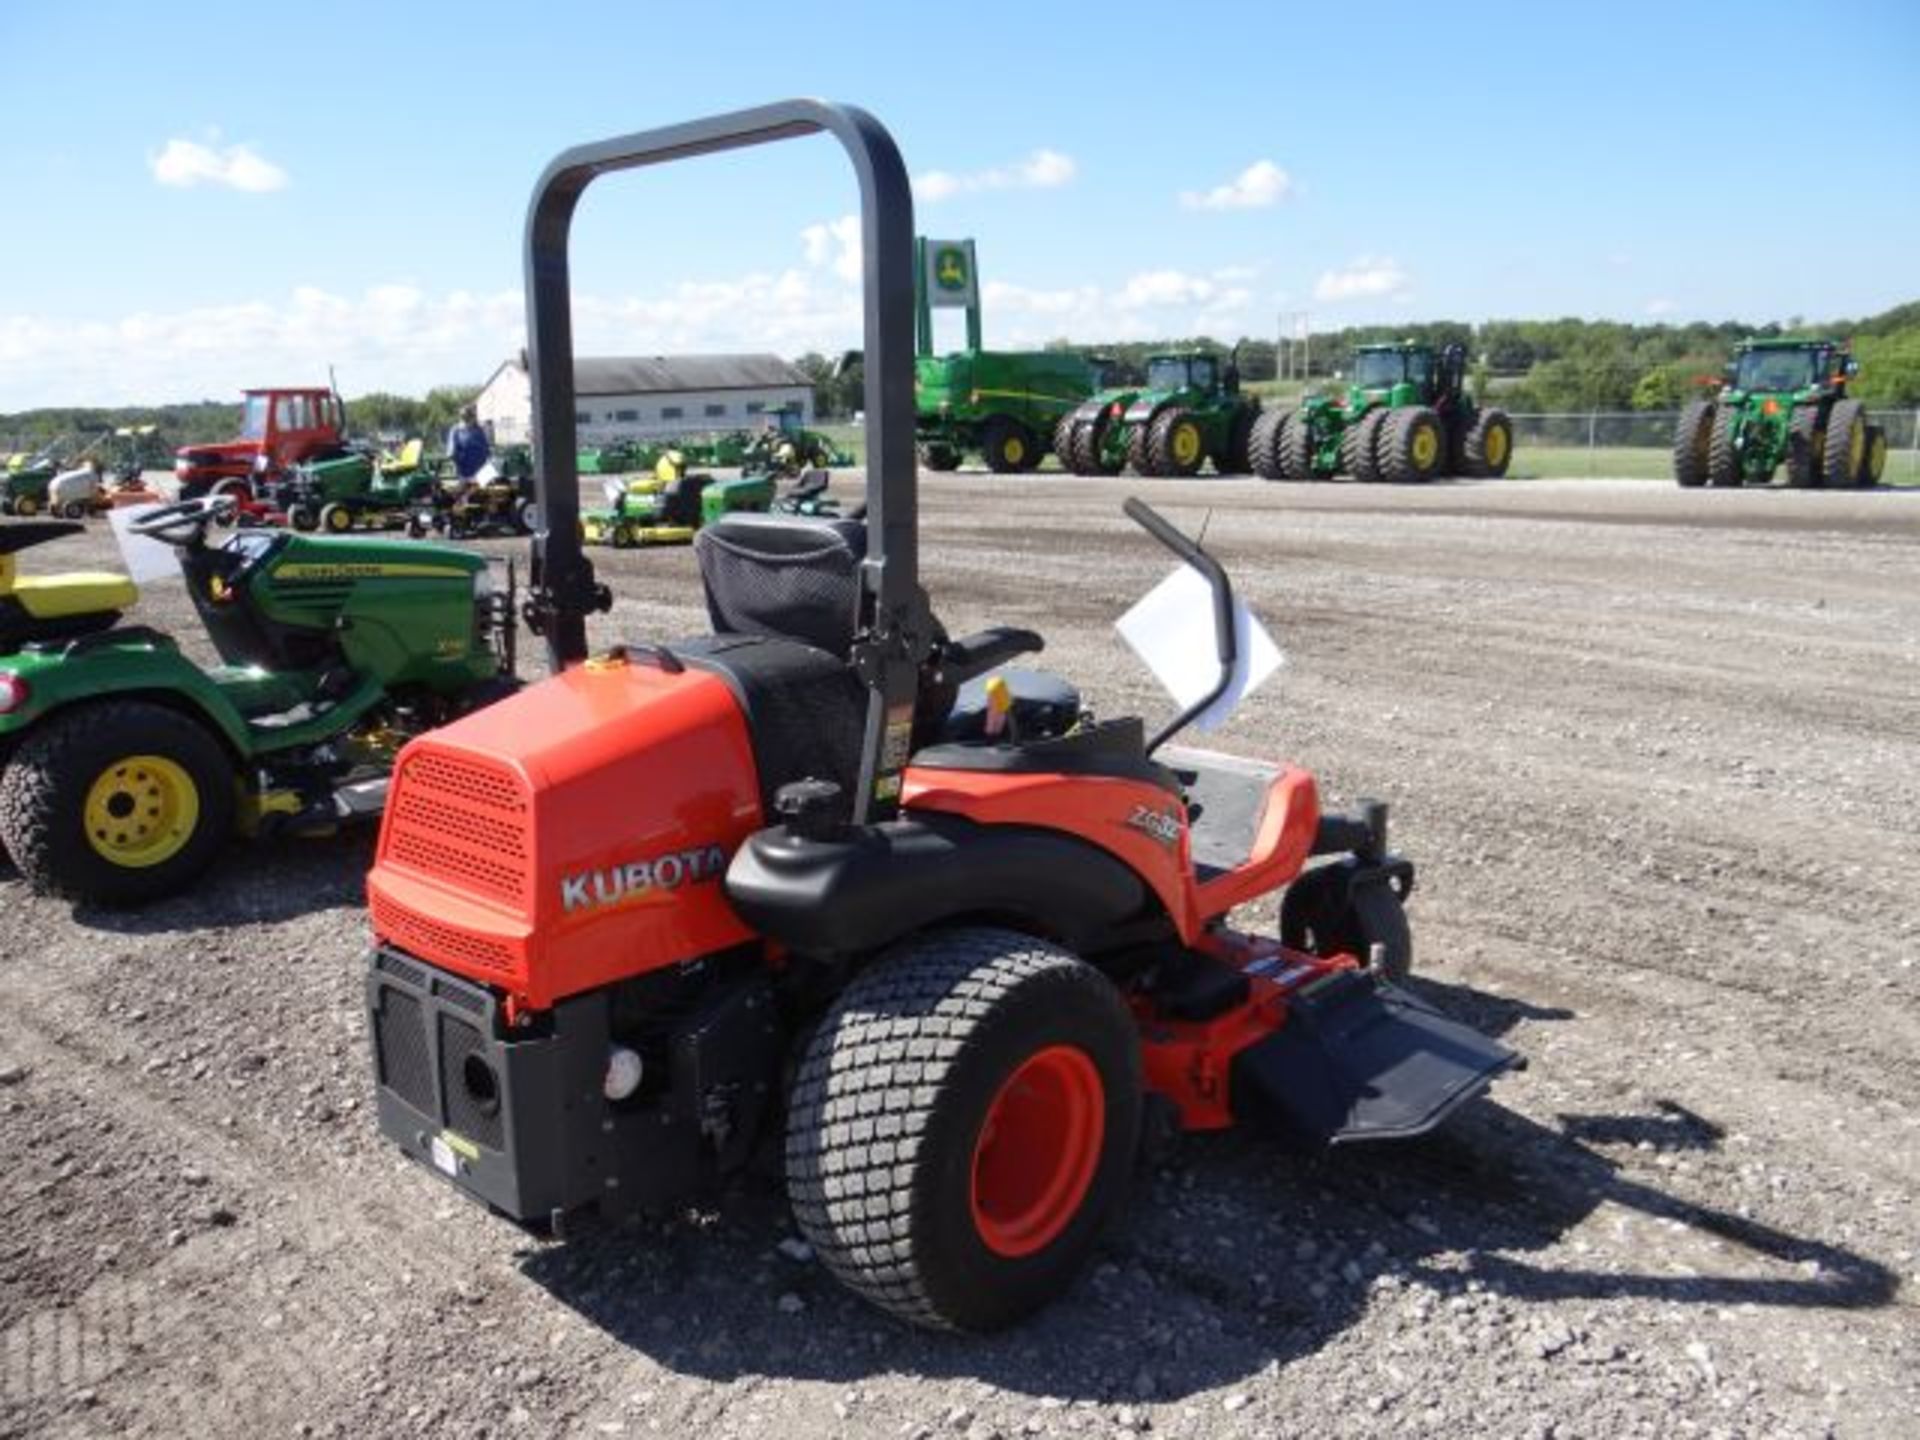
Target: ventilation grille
x=442 y=944
x=474 y=1113
x=463 y=822
x=400 y=1041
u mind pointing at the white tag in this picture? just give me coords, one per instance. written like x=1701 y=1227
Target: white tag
x=1171 y=628
x=444 y=1160
x=147 y=559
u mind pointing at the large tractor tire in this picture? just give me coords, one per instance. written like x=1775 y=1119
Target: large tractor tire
x=1176 y=445
x=1359 y=446
x=940 y=457
x=1723 y=461
x=1263 y=443
x=1692 y=435
x=1412 y=447
x=1090 y=449
x=1139 y=455
x=1296 y=448
x=962 y=1125
x=1844 y=456
x=1805 y=441
x=1876 y=463
x=1487 y=448
x=1063 y=442
x=1010 y=446
x=1237 y=458
x=116 y=803
x=1323 y=914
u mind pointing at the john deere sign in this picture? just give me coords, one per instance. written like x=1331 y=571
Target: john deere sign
x=946 y=277
x=950 y=278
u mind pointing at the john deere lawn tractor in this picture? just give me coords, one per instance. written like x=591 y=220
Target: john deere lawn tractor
x=1406 y=415
x=127 y=767
x=831 y=884
x=501 y=500
x=356 y=490
x=1189 y=411
x=1782 y=402
x=670 y=508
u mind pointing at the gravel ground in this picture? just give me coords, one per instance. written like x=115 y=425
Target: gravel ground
x=1655 y=754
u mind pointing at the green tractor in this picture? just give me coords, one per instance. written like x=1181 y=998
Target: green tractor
x=1406 y=416
x=782 y=448
x=1003 y=404
x=125 y=767
x=1189 y=411
x=1783 y=401
x=670 y=506
x=355 y=490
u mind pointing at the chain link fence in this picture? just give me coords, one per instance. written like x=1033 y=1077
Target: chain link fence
x=1638 y=444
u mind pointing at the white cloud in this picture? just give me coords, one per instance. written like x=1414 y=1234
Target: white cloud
x=1042 y=170
x=1661 y=306
x=1153 y=289
x=186 y=163
x=1365 y=279
x=835 y=243
x=1260 y=185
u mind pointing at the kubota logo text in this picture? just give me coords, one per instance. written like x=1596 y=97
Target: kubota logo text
x=618 y=884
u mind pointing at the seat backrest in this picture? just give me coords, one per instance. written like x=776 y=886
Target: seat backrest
x=787 y=576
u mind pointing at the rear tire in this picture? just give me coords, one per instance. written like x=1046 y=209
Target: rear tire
x=1263 y=444
x=1063 y=442
x=1844 y=456
x=1692 y=437
x=1090 y=449
x=1139 y=453
x=1176 y=445
x=1296 y=448
x=1805 y=440
x=1237 y=459
x=942 y=458
x=1359 y=446
x=904 y=1188
x=302 y=518
x=1876 y=465
x=74 y=510
x=1010 y=446
x=1412 y=447
x=526 y=516
x=1487 y=449
x=1723 y=462
x=77 y=777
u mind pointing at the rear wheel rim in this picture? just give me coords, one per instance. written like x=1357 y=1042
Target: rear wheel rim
x=1037 y=1151
x=141 y=811
x=1426 y=447
x=1186 y=443
x=1496 y=444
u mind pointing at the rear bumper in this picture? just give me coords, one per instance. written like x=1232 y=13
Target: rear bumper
x=519 y=1120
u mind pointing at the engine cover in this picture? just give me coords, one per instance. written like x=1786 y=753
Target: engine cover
x=571 y=835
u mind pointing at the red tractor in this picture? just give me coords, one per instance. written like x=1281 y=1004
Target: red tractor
x=829 y=881
x=278 y=428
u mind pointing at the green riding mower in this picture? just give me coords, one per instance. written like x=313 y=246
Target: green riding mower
x=127 y=767
x=1189 y=411
x=669 y=508
x=1406 y=416
x=783 y=448
x=1782 y=402
x=356 y=490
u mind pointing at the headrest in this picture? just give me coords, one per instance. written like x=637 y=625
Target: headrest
x=788 y=576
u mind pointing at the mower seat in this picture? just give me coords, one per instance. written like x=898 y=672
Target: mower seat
x=63 y=597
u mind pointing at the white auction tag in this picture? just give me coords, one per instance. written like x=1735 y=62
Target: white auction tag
x=1171 y=629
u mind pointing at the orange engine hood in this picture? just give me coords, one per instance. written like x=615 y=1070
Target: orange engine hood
x=570 y=835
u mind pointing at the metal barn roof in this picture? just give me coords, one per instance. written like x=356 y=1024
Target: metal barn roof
x=648 y=374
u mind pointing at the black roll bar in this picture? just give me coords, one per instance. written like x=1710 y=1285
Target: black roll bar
x=894 y=625
x=1226 y=641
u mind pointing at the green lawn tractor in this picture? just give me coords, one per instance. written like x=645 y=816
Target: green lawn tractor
x=127 y=767
x=1003 y=404
x=23 y=488
x=1406 y=416
x=1189 y=411
x=1782 y=402
x=783 y=448
x=669 y=509
x=356 y=490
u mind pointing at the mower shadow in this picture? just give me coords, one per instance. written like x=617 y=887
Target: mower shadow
x=254 y=883
x=1235 y=1259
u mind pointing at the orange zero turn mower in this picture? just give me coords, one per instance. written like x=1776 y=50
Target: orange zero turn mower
x=831 y=881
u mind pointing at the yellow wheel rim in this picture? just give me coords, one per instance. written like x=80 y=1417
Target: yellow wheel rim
x=1186 y=443
x=1877 y=458
x=1014 y=450
x=26 y=505
x=141 y=811
x=1857 y=449
x=340 y=520
x=1426 y=447
x=1496 y=444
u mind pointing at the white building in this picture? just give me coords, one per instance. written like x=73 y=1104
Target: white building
x=623 y=397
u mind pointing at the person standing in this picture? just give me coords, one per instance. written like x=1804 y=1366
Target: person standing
x=468 y=445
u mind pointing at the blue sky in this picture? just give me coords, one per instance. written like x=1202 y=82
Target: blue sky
x=207 y=196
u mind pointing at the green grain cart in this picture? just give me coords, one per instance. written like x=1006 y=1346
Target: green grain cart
x=1003 y=404
x=1783 y=401
x=1406 y=416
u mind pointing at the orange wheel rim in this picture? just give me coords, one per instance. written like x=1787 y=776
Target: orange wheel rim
x=1037 y=1151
